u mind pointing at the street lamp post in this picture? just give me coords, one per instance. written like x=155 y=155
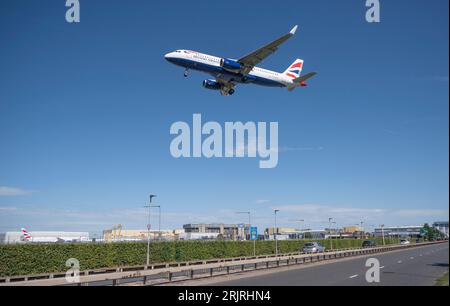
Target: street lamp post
x=249 y=231
x=148 y=228
x=382 y=233
x=276 y=232
x=362 y=230
x=331 y=238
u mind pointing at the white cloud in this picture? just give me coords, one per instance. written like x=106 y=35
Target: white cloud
x=421 y=213
x=7 y=209
x=319 y=214
x=441 y=78
x=12 y=191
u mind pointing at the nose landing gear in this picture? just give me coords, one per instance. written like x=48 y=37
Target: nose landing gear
x=186 y=72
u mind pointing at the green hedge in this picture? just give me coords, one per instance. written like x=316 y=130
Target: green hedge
x=25 y=259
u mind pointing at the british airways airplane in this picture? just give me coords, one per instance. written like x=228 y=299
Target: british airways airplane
x=228 y=72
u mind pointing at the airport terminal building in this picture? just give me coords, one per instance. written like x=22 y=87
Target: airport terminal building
x=215 y=231
x=398 y=231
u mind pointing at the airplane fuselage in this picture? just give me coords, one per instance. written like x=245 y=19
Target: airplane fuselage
x=211 y=64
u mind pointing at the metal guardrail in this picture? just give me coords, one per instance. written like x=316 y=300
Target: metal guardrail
x=170 y=272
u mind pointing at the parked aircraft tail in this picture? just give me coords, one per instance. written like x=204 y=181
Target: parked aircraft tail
x=25 y=235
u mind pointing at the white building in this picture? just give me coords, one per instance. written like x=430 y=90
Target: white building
x=198 y=236
x=398 y=231
x=46 y=237
x=441 y=226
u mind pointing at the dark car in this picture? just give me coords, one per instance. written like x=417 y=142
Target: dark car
x=368 y=244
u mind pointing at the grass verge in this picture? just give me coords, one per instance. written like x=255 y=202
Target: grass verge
x=442 y=281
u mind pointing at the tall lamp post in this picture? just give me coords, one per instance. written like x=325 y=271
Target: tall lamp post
x=362 y=230
x=249 y=231
x=382 y=233
x=148 y=228
x=276 y=232
x=331 y=238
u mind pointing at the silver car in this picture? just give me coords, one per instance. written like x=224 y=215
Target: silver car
x=313 y=247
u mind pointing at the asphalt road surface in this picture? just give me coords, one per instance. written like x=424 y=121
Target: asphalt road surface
x=412 y=267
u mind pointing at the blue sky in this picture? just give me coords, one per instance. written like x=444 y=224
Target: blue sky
x=85 y=112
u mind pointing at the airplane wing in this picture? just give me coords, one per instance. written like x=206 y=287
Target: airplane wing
x=252 y=59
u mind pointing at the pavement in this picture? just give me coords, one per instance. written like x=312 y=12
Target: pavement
x=419 y=266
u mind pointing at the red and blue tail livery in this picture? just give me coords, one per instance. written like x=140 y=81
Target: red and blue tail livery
x=294 y=71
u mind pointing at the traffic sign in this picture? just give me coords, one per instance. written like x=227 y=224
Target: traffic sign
x=253 y=233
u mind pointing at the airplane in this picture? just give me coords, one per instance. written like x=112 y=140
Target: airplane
x=27 y=237
x=229 y=72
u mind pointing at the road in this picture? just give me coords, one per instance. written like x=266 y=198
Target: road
x=412 y=267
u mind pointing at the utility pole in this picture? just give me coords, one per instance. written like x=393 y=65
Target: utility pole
x=382 y=233
x=276 y=232
x=148 y=228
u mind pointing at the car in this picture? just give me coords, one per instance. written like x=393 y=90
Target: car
x=368 y=244
x=404 y=241
x=313 y=247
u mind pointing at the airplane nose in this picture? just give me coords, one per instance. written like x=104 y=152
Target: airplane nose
x=168 y=56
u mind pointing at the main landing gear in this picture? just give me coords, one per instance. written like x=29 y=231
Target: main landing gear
x=226 y=91
x=186 y=72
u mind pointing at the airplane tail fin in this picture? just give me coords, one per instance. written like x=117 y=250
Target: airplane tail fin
x=295 y=69
x=25 y=235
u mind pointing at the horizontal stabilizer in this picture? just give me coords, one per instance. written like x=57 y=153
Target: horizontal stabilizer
x=303 y=78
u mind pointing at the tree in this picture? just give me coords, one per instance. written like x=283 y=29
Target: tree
x=430 y=233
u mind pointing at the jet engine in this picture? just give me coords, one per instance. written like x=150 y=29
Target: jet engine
x=230 y=65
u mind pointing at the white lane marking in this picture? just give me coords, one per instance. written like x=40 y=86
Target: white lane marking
x=353 y=276
x=411 y=258
x=382 y=267
x=399 y=261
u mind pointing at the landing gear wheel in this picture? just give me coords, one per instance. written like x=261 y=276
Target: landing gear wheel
x=231 y=91
x=186 y=73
